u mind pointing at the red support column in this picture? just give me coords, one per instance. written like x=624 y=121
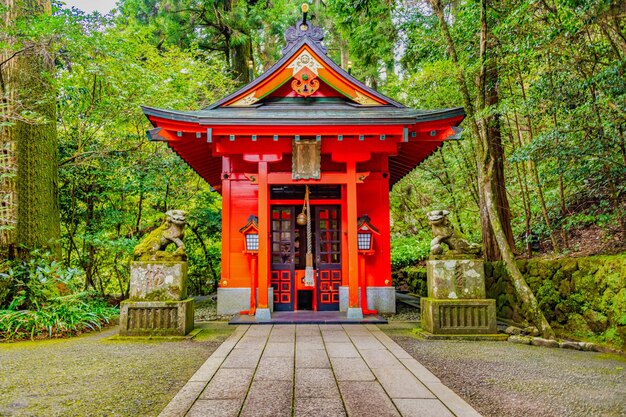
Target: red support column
x=226 y=218
x=354 y=310
x=263 y=312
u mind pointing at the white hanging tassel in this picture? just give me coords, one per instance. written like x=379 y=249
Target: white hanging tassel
x=309 y=272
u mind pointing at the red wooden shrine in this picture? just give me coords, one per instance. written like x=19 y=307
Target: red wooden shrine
x=304 y=124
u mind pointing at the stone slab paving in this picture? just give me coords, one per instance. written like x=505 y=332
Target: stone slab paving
x=314 y=370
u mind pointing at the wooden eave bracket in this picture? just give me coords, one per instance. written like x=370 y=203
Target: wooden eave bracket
x=361 y=176
x=154 y=135
x=457 y=133
x=251 y=177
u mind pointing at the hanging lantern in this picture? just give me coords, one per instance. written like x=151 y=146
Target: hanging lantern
x=251 y=235
x=365 y=235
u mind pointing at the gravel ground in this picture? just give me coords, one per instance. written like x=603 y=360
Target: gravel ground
x=403 y=313
x=205 y=309
x=93 y=376
x=505 y=379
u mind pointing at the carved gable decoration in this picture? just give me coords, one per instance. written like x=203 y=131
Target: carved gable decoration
x=306 y=160
x=293 y=35
x=305 y=70
x=248 y=100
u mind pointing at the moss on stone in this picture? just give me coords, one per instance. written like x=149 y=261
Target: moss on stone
x=416 y=280
x=582 y=297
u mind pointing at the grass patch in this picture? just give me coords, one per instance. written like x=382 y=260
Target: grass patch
x=402 y=329
x=213 y=331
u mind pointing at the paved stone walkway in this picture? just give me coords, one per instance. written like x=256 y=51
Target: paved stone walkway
x=311 y=370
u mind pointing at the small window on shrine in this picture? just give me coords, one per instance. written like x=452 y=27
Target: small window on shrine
x=296 y=192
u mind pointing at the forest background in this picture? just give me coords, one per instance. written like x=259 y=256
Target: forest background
x=551 y=90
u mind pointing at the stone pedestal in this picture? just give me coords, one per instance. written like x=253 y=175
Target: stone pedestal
x=156 y=318
x=458 y=316
x=158 y=304
x=456 y=302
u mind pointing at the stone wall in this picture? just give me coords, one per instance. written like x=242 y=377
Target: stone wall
x=581 y=297
x=411 y=279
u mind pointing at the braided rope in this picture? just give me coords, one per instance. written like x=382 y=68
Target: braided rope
x=309 y=279
x=309 y=245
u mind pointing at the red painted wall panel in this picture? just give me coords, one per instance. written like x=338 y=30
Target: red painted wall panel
x=243 y=203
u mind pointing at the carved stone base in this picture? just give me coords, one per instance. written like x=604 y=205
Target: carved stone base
x=456 y=278
x=158 y=280
x=156 y=318
x=458 y=316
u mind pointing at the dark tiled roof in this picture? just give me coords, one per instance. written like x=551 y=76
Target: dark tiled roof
x=311 y=113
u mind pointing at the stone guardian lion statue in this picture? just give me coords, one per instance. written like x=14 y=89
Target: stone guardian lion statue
x=153 y=247
x=444 y=232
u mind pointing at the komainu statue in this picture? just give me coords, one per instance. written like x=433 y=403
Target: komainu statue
x=153 y=247
x=444 y=232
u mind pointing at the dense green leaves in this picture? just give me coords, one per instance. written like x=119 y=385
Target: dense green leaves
x=114 y=183
x=562 y=109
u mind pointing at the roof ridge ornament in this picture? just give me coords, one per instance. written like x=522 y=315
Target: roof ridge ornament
x=304 y=29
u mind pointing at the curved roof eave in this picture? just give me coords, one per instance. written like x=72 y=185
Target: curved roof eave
x=284 y=116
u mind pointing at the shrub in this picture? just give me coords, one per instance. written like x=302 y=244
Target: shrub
x=29 y=284
x=409 y=250
x=59 y=317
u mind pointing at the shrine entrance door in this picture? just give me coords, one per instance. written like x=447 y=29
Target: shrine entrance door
x=288 y=258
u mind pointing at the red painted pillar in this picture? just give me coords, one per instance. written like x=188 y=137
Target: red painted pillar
x=226 y=213
x=263 y=240
x=353 y=255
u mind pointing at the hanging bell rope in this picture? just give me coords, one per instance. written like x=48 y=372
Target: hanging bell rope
x=309 y=273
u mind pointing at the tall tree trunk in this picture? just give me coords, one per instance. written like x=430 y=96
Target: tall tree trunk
x=486 y=168
x=495 y=151
x=31 y=144
x=240 y=55
x=532 y=165
x=89 y=263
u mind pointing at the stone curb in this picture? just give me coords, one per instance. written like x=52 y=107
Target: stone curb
x=564 y=344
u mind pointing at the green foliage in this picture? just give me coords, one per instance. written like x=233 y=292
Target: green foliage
x=60 y=317
x=560 y=101
x=26 y=284
x=115 y=185
x=409 y=250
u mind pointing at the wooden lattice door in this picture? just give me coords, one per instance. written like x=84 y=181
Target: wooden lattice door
x=284 y=256
x=328 y=256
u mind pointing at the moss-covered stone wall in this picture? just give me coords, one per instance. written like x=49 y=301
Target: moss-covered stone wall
x=581 y=297
x=411 y=279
